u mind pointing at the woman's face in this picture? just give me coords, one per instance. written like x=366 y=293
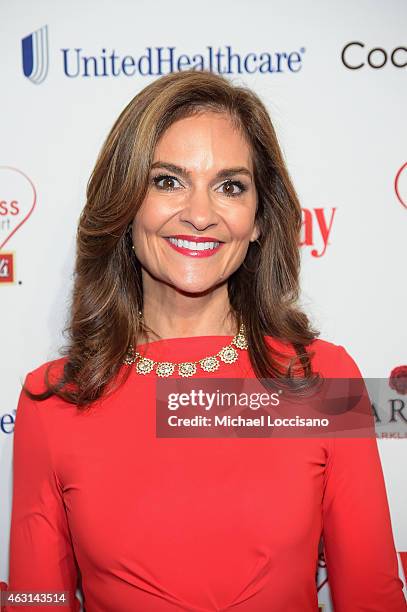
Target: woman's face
x=197 y=219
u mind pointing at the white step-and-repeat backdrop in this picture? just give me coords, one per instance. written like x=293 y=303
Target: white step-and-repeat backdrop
x=334 y=77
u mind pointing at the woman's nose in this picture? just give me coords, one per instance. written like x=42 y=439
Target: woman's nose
x=199 y=209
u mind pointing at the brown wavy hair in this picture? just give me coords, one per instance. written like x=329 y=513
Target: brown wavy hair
x=107 y=292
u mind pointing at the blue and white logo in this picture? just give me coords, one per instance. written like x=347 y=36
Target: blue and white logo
x=35 y=55
x=106 y=62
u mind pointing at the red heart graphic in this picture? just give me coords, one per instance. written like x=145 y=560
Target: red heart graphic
x=396 y=185
x=13 y=231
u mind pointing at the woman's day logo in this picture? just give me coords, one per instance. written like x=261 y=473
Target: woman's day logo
x=17 y=201
x=316 y=229
x=400 y=185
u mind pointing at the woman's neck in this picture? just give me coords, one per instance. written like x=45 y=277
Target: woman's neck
x=178 y=315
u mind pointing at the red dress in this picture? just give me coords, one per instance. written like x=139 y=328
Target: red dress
x=195 y=524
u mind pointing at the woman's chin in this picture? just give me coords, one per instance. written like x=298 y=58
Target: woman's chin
x=196 y=287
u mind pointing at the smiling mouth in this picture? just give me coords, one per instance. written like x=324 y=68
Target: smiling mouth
x=199 y=247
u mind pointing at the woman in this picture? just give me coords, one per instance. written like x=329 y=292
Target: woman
x=187 y=266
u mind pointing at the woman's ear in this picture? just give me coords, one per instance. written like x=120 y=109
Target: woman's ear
x=255 y=233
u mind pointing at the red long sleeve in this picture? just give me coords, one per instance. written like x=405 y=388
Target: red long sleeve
x=41 y=555
x=358 y=540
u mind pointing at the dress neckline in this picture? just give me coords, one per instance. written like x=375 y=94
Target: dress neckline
x=153 y=343
x=185 y=348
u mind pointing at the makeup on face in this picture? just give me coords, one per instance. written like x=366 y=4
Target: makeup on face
x=197 y=219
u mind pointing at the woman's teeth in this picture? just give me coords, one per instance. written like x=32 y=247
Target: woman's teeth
x=194 y=246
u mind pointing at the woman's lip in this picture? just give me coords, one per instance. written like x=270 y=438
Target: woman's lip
x=193 y=253
x=194 y=238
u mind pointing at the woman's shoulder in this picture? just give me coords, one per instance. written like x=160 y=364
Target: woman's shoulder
x=330 y=359
x=53 y=369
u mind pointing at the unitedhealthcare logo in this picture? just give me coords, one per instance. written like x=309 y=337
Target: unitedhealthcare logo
x=153 y=61
x=35 y=55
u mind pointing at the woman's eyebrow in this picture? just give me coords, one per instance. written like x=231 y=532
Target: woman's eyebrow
x=224 y=173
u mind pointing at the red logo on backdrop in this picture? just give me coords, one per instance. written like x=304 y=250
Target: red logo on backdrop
x=6 y=268
x=316 y=229
x=398 y=379
x=400 y=185
x=17 y=201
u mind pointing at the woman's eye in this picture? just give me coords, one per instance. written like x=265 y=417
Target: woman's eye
x=165 y=182
x=233 y=188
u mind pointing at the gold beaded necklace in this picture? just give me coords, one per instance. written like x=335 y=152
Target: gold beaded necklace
x=228 y=354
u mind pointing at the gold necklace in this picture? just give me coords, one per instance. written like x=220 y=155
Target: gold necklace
x=228 y=354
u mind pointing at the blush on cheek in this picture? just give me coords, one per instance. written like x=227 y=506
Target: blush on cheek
x=242 y=230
